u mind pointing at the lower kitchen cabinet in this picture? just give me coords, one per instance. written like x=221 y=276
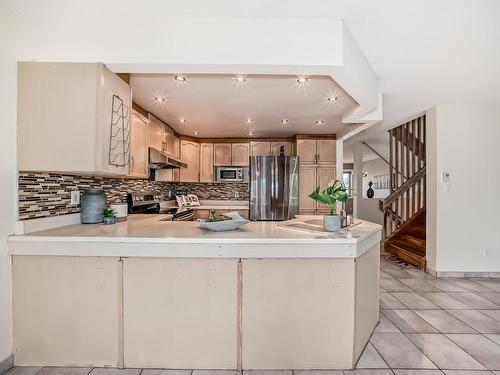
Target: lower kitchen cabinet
x=307 y=184
x=309 y=178
x=180 y=313
x=66 y=311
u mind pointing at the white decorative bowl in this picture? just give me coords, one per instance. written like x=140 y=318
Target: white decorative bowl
x=220 y=226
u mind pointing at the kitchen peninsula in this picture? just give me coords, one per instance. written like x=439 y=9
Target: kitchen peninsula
x=149 y=293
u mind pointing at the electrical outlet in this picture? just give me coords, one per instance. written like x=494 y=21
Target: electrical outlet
x=75 y=197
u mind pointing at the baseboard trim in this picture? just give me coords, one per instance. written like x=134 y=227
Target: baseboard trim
x=6 y=363
x=452 y=274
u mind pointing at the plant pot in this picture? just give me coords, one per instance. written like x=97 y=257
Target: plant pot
x=332 y=223
x=110 y=220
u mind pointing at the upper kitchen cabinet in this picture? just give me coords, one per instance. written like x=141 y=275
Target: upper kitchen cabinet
x=171 y=142
x=162 y=137
x=72 y=117
x=206 y=162
x=326 y=151
x=269 y=148
x=306 y=151
x=222 y=154
x=260 y=148
x=276 y=146
x=240 y=154
x=316 y=151
x=138 y=146
x=190 y=154
x=156 y=133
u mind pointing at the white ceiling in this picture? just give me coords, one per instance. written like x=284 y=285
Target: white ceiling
x=218 y=106
x=424 y=51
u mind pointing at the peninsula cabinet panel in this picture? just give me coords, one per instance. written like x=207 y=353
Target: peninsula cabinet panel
x=222 y=154
x=298 y=313
x=261 y=148
x=65 y=117
x=240 y=154
x=307 y=184
x=65 y=311
x=306 y=151
x=206 y=162
x=190 y=154
x=275 y=148
x=367 y=301
x=325 y=149
x=180 y=313
x=138 y=146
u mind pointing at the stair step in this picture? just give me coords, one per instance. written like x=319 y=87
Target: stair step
x=415 y=231
x=408 y=256
x=407 y=245
x=412 y=239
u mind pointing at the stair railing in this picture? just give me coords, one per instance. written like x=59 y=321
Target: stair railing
x=406 y=174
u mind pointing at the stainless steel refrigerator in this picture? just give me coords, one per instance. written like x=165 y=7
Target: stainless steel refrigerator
x=274 y=187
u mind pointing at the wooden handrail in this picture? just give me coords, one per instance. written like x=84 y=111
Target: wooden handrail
x=384 y=159
x=403 y=188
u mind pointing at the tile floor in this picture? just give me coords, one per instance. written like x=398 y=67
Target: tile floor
x=427 y=326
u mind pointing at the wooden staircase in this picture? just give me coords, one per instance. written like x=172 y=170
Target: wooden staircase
x=404 y=208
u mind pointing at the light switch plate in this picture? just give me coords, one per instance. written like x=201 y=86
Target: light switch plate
x=75 y=197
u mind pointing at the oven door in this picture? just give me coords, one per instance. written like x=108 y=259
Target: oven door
x=225 y=174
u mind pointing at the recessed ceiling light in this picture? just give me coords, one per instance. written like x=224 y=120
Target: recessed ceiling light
x=284 y=121
x=250 y=133
x=159 y=99
x=319 y=122
x=333 y=98
x=302 y=79
x=180 y=77
x=249 y=120
x=182 y=120
x=240 y=78
x=196 y=133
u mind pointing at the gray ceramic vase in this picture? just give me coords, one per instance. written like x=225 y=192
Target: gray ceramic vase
x=93 y=204
x=332 y=223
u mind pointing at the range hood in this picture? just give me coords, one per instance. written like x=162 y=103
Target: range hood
x=159 y=160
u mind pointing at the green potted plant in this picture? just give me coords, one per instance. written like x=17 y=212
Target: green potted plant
x=334 y=192
x=109 y=215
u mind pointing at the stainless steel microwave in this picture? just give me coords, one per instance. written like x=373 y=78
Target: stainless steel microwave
x=231 y=174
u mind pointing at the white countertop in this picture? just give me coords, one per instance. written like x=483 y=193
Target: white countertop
x=148 y=236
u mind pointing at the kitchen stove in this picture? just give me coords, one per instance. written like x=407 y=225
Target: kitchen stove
x=149 y=203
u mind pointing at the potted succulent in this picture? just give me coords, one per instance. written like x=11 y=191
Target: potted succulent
x=334 y=192
x=109 y=215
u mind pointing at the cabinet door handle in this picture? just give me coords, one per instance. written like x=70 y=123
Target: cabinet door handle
x=131 y=163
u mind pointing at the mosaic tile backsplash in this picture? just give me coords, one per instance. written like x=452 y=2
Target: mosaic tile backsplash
x=49 y=194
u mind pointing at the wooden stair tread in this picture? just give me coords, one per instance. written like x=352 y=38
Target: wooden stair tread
x=406 y=245
x=417 y=260
x=414 y=240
